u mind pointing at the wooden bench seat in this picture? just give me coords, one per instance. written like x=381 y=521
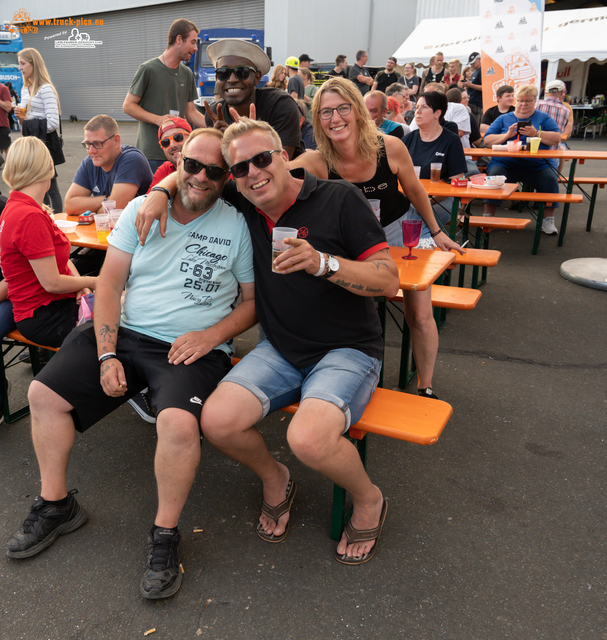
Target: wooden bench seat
x=544 y=200
x=477 y=258
x=597 y=183
x=393 y=414
x=449 y=297
x=13 y=339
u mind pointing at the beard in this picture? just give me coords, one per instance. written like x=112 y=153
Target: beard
x=196 y=204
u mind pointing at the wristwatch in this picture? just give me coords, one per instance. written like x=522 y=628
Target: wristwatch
x=332 y=266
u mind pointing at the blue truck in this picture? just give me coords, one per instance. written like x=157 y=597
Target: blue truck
x=10 y=45
x=201 y=66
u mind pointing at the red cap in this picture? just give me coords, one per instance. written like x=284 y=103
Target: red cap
x=173 y=123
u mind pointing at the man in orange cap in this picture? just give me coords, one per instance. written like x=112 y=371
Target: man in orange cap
x=172 y=134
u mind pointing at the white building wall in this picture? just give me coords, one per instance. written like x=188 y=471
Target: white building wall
x=446 y=9
x=320 y=28
x=327 y=28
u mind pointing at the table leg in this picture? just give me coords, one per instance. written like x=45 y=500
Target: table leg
x=538 y=229
x=454 y=212
x=566 y=207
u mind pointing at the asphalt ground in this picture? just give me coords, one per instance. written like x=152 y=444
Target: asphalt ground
x=496 y=532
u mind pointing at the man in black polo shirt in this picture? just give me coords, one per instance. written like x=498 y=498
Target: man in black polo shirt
x=233 y=56
x=322 y=343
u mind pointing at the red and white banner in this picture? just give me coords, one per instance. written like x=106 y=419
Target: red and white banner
x=511 y=44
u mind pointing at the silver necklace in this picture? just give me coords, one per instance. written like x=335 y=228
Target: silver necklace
x=169 y=68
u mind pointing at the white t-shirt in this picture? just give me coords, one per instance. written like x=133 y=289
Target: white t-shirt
x=187 y=281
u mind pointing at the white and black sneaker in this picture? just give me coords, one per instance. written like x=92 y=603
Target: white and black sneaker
x=142 y=403
x=427 y=393
x=44 y=524
x=548 y=226
x=162 y=577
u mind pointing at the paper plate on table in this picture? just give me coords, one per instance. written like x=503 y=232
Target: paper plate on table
x=499 y=147
x=484 y=186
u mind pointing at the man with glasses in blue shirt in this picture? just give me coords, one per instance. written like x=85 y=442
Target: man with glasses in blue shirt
x=238 y=67
x=110 y=172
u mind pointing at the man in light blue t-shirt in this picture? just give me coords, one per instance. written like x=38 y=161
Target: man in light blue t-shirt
x=173 y=335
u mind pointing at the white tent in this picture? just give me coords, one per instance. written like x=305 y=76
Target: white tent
x=568 y=35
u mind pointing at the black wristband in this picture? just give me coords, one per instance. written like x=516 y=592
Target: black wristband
x=107 y=356
x=433 y=235
x=166 y=192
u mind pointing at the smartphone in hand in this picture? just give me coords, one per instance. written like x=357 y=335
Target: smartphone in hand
x=522 y=125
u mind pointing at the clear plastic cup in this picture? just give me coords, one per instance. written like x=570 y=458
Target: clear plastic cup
x=102 y=224
x=114 y=216
x=278 y=246
x=435 y=169
x=417 y=171
x=108 y=205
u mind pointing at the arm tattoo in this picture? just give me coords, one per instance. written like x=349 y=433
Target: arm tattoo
x=372 y=290
x=105 y=367
x=379 y=264
x=107 y=335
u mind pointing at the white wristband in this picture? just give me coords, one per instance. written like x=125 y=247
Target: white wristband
x=322 y=265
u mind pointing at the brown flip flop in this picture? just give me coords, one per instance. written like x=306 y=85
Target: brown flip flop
x=276 y=512
x=363 y=535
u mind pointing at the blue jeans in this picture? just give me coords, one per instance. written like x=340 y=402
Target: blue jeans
x=7 y=321
x=543 y=180
x=344 y=377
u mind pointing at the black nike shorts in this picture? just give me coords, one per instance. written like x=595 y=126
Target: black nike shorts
x=73 y=374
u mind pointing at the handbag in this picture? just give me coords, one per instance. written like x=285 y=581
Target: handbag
x=37 y=127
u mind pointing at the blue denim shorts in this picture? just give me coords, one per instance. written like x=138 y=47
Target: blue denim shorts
x=345 y=377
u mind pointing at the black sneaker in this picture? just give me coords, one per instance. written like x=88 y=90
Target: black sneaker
x=44 y=524
x=162 y=577
x=142 y=404
x=427 y=393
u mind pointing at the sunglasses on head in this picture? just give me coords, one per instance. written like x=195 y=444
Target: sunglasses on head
x=213 y=171
x=261 y=161
x=165 y=143
x=242 y=72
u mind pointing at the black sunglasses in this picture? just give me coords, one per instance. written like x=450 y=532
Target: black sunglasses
x=242 y=72
x=213 y=171
x=261 y=161
x=165 y=143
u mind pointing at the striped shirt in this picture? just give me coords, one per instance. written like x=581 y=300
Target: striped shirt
x=557 y=111
x=42 y=105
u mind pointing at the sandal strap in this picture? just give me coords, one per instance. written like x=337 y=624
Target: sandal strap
x=280 y=509
x=361 y=535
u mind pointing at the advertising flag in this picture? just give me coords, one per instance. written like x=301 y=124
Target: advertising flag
x=511 y=45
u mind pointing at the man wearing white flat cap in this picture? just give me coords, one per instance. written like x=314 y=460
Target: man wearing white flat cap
x=238 y=69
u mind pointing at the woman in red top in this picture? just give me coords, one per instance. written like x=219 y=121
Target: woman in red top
x=453 y=76
x=43 y=284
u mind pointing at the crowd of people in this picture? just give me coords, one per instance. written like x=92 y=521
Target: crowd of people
x=288 y=154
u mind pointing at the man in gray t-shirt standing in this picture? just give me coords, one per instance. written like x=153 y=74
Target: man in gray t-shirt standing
x=162 y=88
x=359 y=75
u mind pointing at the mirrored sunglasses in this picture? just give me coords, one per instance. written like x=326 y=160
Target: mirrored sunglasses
x=165 y=143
